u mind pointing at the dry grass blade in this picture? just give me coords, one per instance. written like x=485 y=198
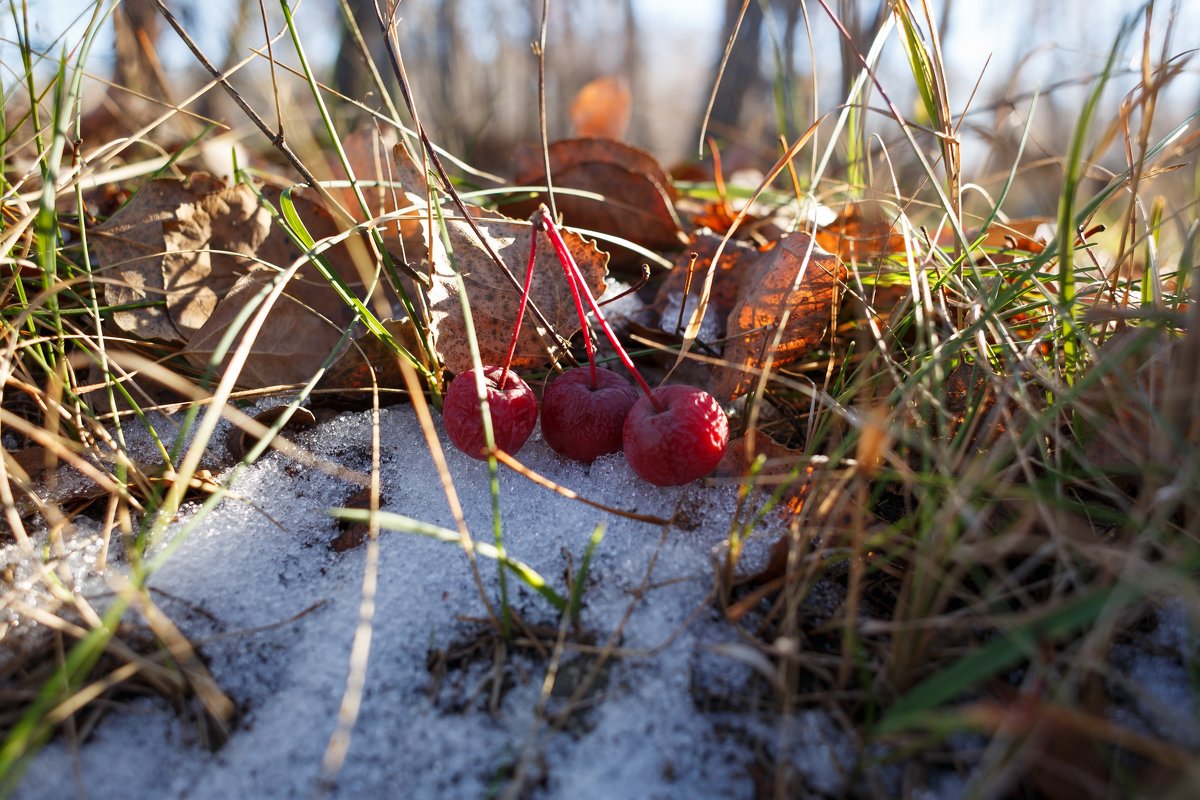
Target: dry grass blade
x=516 y=466
x=360 y=650
x=712 y=98
x=965 y=562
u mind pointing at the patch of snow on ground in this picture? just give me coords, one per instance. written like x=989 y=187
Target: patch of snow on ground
x=262 y=558
x=1159 y=672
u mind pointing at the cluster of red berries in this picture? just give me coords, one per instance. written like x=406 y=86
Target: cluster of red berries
x=671 y=435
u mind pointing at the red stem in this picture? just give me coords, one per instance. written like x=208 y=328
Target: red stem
x=572 y=282
x=575 y=276
x=512 y=345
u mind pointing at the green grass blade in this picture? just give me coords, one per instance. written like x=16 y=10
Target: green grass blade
x=1071 y=314
x=398 y=522
x=585 y=564
x=1007 y=650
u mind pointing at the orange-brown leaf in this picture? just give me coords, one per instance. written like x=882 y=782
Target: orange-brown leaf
x=368 y=363
x=796 y=276
x=638 y=194
x=1029 y=235
x=669 y=300
x=494 y=300
x=780 y=462
x=130 y=247
x=602 y=108
x=493 y=297
x=860 y=232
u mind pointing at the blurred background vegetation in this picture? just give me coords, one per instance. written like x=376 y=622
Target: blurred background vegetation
x=475 y=74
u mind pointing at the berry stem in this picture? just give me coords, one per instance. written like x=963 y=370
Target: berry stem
x=589 y=348
x=512 y=345
x=578 y=284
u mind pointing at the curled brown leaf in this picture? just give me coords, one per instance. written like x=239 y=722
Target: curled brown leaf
x=797 y=277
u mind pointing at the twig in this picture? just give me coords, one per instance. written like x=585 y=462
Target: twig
x=276 y=139
x=431 y=152
x=541 y=480
x=540 y=50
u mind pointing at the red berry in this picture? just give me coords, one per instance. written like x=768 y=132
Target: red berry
x=514 y=412
x=582 y=421
x=679 y=443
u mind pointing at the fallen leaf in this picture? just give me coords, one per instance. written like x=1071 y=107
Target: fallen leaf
x=349 y=259
x=795 y=275
x=669 y=300
x=302 y=329
x=860 y=233
x=602 y=108
x=348 y=383
x=494 y=300
x=369 y=150
x=241 y=442
x=353 y=534
x=130 y=247
x=1030 y=235
x=493 y=297
x=207 y=245
x=639 y=196
x=781 y=462
x=307 y=322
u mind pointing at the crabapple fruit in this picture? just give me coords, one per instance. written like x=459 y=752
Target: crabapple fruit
x=582 y=420
x=513 y=407
x=675 y=435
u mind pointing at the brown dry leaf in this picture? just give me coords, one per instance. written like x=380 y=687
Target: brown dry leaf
x=768 y=287
x=861 y=233
x=602 y=108
x=639 y=195
x=200 y=264
x=306 y=323
x=240 y=442
x=131 y=244
x=781 y=461
x=349 y=259
x=353 y=534
x=369 y=150
x=348 y=383
x=734 y=261
x=292 y=344
x=494 y=299
x=1030 y=235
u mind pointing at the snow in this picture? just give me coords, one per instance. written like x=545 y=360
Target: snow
x=274 y=610
x=1158 y=672
x=672 y=711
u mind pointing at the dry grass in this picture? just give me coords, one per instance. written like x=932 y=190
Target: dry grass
x=1007 y=475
